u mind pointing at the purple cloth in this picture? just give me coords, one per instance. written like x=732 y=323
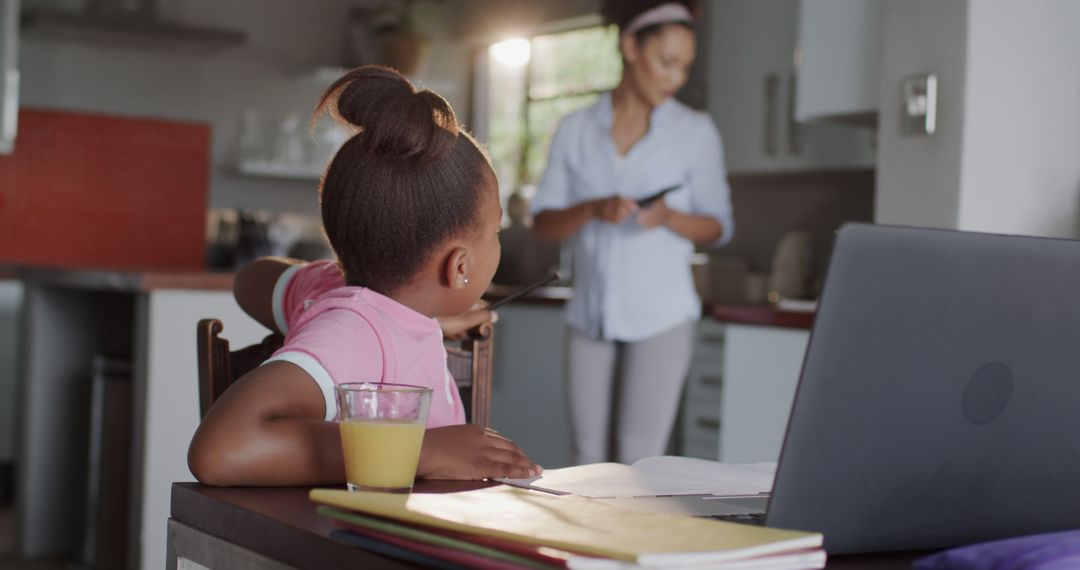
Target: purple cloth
x=1054 y=551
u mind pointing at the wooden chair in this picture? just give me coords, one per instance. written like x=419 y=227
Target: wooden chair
x=469 y=361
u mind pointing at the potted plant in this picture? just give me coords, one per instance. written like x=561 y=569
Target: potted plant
x=391 y=36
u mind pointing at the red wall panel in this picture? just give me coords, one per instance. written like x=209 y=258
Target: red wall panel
x=7 y=208
x=111 y=192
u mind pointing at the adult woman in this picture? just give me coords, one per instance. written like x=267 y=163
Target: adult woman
x=631 y=317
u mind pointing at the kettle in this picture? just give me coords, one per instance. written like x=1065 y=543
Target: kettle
x=792 y=267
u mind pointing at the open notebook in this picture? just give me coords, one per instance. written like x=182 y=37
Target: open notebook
x=596 y=535
x=655 y=477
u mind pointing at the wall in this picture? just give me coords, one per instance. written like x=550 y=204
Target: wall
x=1004 y=157
x=1021 y=155
x=497 y=20
x=272 y=72
x=766 y=207
x=918 y=177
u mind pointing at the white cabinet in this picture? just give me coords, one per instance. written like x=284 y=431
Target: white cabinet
x=761 y=371
x=838 y=48
x=9 y=73
x=749 y=68
x=65 y=321
x=528 y=392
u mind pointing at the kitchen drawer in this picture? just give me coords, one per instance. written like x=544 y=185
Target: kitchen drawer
x=701 y=420
x=702 y=448
x=709 y=343
x=705 y=384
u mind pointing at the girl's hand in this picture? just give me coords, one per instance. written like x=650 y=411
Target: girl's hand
x=458 y=326
x=614 y=210
x=471 y=452
x=655 y=215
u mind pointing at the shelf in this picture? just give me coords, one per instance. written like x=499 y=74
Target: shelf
x=268 y=169
x=325 y=75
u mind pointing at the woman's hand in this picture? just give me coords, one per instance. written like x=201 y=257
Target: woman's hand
x=458 y=326
x=471 y=452
x=655 y=215
x=615 y=209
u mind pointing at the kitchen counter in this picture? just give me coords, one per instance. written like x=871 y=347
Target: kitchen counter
x=124 y=281
x=763 y=315
x=148 y=318
x=555 y=296
x=733 y=313
x=146 y=281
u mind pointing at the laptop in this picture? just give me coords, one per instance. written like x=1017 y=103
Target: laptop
x=939 y=402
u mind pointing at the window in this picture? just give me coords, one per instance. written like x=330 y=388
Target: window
x=533 y=84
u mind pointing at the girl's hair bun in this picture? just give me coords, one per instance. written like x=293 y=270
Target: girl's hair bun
x=394 y=118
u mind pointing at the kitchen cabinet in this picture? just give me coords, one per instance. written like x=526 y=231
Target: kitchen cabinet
x=68 y=317
x=749 y=50
x=9 y=73
x=528 y=392
x=761 y=371
x=700 y=418
x=10 y=303
x=838 y=61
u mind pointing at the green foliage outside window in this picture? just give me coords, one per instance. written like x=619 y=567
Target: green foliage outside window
x=566 y=71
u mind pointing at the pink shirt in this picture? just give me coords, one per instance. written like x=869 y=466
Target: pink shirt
x=338 y=334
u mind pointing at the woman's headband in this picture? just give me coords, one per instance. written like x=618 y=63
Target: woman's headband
x=669 y=13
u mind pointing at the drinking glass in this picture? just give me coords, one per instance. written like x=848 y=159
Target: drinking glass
x=382 y=430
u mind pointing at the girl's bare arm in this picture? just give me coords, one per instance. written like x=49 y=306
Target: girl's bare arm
x=268 y=430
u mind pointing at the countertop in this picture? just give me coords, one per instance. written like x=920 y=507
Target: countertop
x=555 y=296
x=734 y=313
x=121 y=280
x=146 y=281
x=762 y=315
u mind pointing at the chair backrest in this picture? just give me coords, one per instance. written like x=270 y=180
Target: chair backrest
x=219 y=367
x=469 y=361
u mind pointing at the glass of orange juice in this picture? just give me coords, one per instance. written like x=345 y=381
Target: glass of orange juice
x=382 y=429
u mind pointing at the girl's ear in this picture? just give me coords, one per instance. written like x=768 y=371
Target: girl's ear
x=629 y=47
x=456 y=268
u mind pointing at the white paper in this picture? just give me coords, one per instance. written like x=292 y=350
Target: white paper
x=654 y=476
x=801 y=560
x=756 y=475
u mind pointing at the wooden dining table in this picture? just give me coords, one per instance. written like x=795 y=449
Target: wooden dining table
x=277 y=528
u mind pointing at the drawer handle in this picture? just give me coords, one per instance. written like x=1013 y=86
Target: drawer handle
x=708 y=423
x=712 y=338
x=710 y=380
x=770 y=121
x=794 y=128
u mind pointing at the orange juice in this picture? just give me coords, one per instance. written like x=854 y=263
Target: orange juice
x=381 y=454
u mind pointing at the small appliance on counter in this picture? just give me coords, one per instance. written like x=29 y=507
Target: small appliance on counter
x=238 y=237
x=792 y=267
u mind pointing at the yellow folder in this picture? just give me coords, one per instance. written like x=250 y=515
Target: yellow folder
x=577 y=524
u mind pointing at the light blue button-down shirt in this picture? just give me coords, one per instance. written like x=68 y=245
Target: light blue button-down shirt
x=630 y=283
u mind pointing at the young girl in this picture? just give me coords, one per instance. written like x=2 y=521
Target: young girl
x=410 y=206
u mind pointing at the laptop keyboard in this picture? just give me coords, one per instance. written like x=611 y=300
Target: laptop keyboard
x=756 y=519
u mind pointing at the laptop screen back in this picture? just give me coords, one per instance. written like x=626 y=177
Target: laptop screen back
x=939 y=402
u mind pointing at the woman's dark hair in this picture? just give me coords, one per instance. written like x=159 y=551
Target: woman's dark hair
x=622 y=12
x=406 y=182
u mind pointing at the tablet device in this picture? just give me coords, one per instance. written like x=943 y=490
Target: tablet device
x=648 y=200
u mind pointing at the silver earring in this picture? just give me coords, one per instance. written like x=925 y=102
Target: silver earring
x=466 y=280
